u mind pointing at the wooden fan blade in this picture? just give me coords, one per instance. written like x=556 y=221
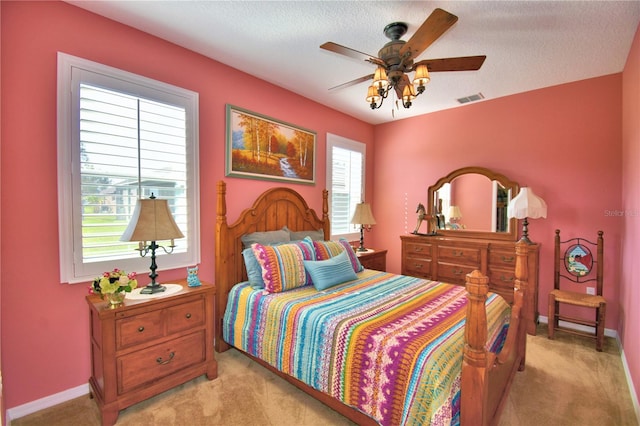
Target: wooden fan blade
x=351 y=53
x=463 y=63
x=433 y=27
x=352 y=82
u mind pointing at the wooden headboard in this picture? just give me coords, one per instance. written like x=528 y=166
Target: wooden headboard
x=274 y=209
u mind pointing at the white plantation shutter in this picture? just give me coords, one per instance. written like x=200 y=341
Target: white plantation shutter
x=345 y=180
x=130 y=137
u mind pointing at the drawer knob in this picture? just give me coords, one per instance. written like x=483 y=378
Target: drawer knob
x=458 y=253
x=509 y=259
x=188 y=315
x=458 y=272
x=141 y=328
x=417 y=266
x=506 y=279
x=161 y=362
x=417 y=249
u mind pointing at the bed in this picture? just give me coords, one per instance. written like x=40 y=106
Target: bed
x=457 y=372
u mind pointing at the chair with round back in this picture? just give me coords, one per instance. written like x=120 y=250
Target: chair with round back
x=574 y=262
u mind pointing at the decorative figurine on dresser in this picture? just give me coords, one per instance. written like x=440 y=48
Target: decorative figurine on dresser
x=450 y=254
x=192 y=276
x=422 y=217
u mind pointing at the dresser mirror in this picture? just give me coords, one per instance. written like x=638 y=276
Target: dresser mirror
x=472 y=202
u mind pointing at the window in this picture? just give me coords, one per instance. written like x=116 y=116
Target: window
x=122 y=137
x=345 y=180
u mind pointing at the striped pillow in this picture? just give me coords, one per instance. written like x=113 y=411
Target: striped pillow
x=283 y=265
x=328 y=249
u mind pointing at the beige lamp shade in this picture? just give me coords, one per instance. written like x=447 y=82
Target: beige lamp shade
x=152 y=221
x=363 y=215
x=454 y=213
x=527 y=205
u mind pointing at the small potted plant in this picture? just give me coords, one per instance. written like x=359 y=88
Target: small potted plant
x=113 y=285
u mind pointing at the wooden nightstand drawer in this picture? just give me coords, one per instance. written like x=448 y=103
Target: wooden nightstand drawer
x=155 y=362
x=373 y=259
x=137 y=329
x=183 y=317
x=462 y=255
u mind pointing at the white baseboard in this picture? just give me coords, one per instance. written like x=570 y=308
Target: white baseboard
x=46 y=402
x=634 y=395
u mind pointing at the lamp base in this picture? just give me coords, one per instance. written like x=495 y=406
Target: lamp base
x=153 y=289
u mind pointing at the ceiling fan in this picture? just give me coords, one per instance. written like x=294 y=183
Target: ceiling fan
x=396 y=59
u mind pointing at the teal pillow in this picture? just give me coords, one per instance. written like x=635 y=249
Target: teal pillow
x=254 y=270
x=327 y=273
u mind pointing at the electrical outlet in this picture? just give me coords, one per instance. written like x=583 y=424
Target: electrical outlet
x=591 y=290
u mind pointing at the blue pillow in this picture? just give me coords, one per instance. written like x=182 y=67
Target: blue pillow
x=330 y=272
x=254 y=270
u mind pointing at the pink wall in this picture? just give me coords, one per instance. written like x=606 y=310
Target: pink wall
x=629 y=324
x=563 y=141
x=44 y=323
x=44 y=327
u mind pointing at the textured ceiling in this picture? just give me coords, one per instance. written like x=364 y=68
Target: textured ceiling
x=528 y=44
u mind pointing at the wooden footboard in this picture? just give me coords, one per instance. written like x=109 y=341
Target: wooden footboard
x=486 y=377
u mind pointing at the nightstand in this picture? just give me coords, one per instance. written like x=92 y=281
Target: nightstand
x=373 y=259
x=148 y=346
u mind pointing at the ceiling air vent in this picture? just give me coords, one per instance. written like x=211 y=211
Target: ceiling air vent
x=471 y=98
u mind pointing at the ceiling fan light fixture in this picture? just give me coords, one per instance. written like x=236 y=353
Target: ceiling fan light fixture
x=373 y=97
x=422 y=77
x=408 y=95
x=380 y=79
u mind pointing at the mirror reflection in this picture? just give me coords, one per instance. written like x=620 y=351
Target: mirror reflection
x=483 y=199
x=472 y=202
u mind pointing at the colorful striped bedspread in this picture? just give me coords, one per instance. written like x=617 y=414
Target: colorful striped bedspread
x=388 y=345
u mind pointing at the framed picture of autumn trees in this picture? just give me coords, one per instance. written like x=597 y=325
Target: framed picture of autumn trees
x=261 y=147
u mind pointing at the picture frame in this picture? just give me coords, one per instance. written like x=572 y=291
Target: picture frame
x=261 y=147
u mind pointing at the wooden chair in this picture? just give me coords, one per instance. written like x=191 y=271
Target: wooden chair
x=574 y=262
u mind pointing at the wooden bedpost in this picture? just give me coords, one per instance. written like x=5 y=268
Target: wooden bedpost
x=474 y=365
x=522 y=290
x=222 y=271
x=326 y=227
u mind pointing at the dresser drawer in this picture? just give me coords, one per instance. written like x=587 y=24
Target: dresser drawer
x=156 y=362
x=501 y=281
x=502 y=258
x=460 y=255
x=417 y=249
x=416 y=267
x=454 y=273
x=138 y=329
x=185 y=316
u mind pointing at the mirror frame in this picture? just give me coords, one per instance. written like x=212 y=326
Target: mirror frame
x=511 y=235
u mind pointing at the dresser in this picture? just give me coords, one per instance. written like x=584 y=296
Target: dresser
x=450 y=259
x=146 y=347
x=373 y=259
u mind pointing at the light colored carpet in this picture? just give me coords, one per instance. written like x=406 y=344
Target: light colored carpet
x=566 y=382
